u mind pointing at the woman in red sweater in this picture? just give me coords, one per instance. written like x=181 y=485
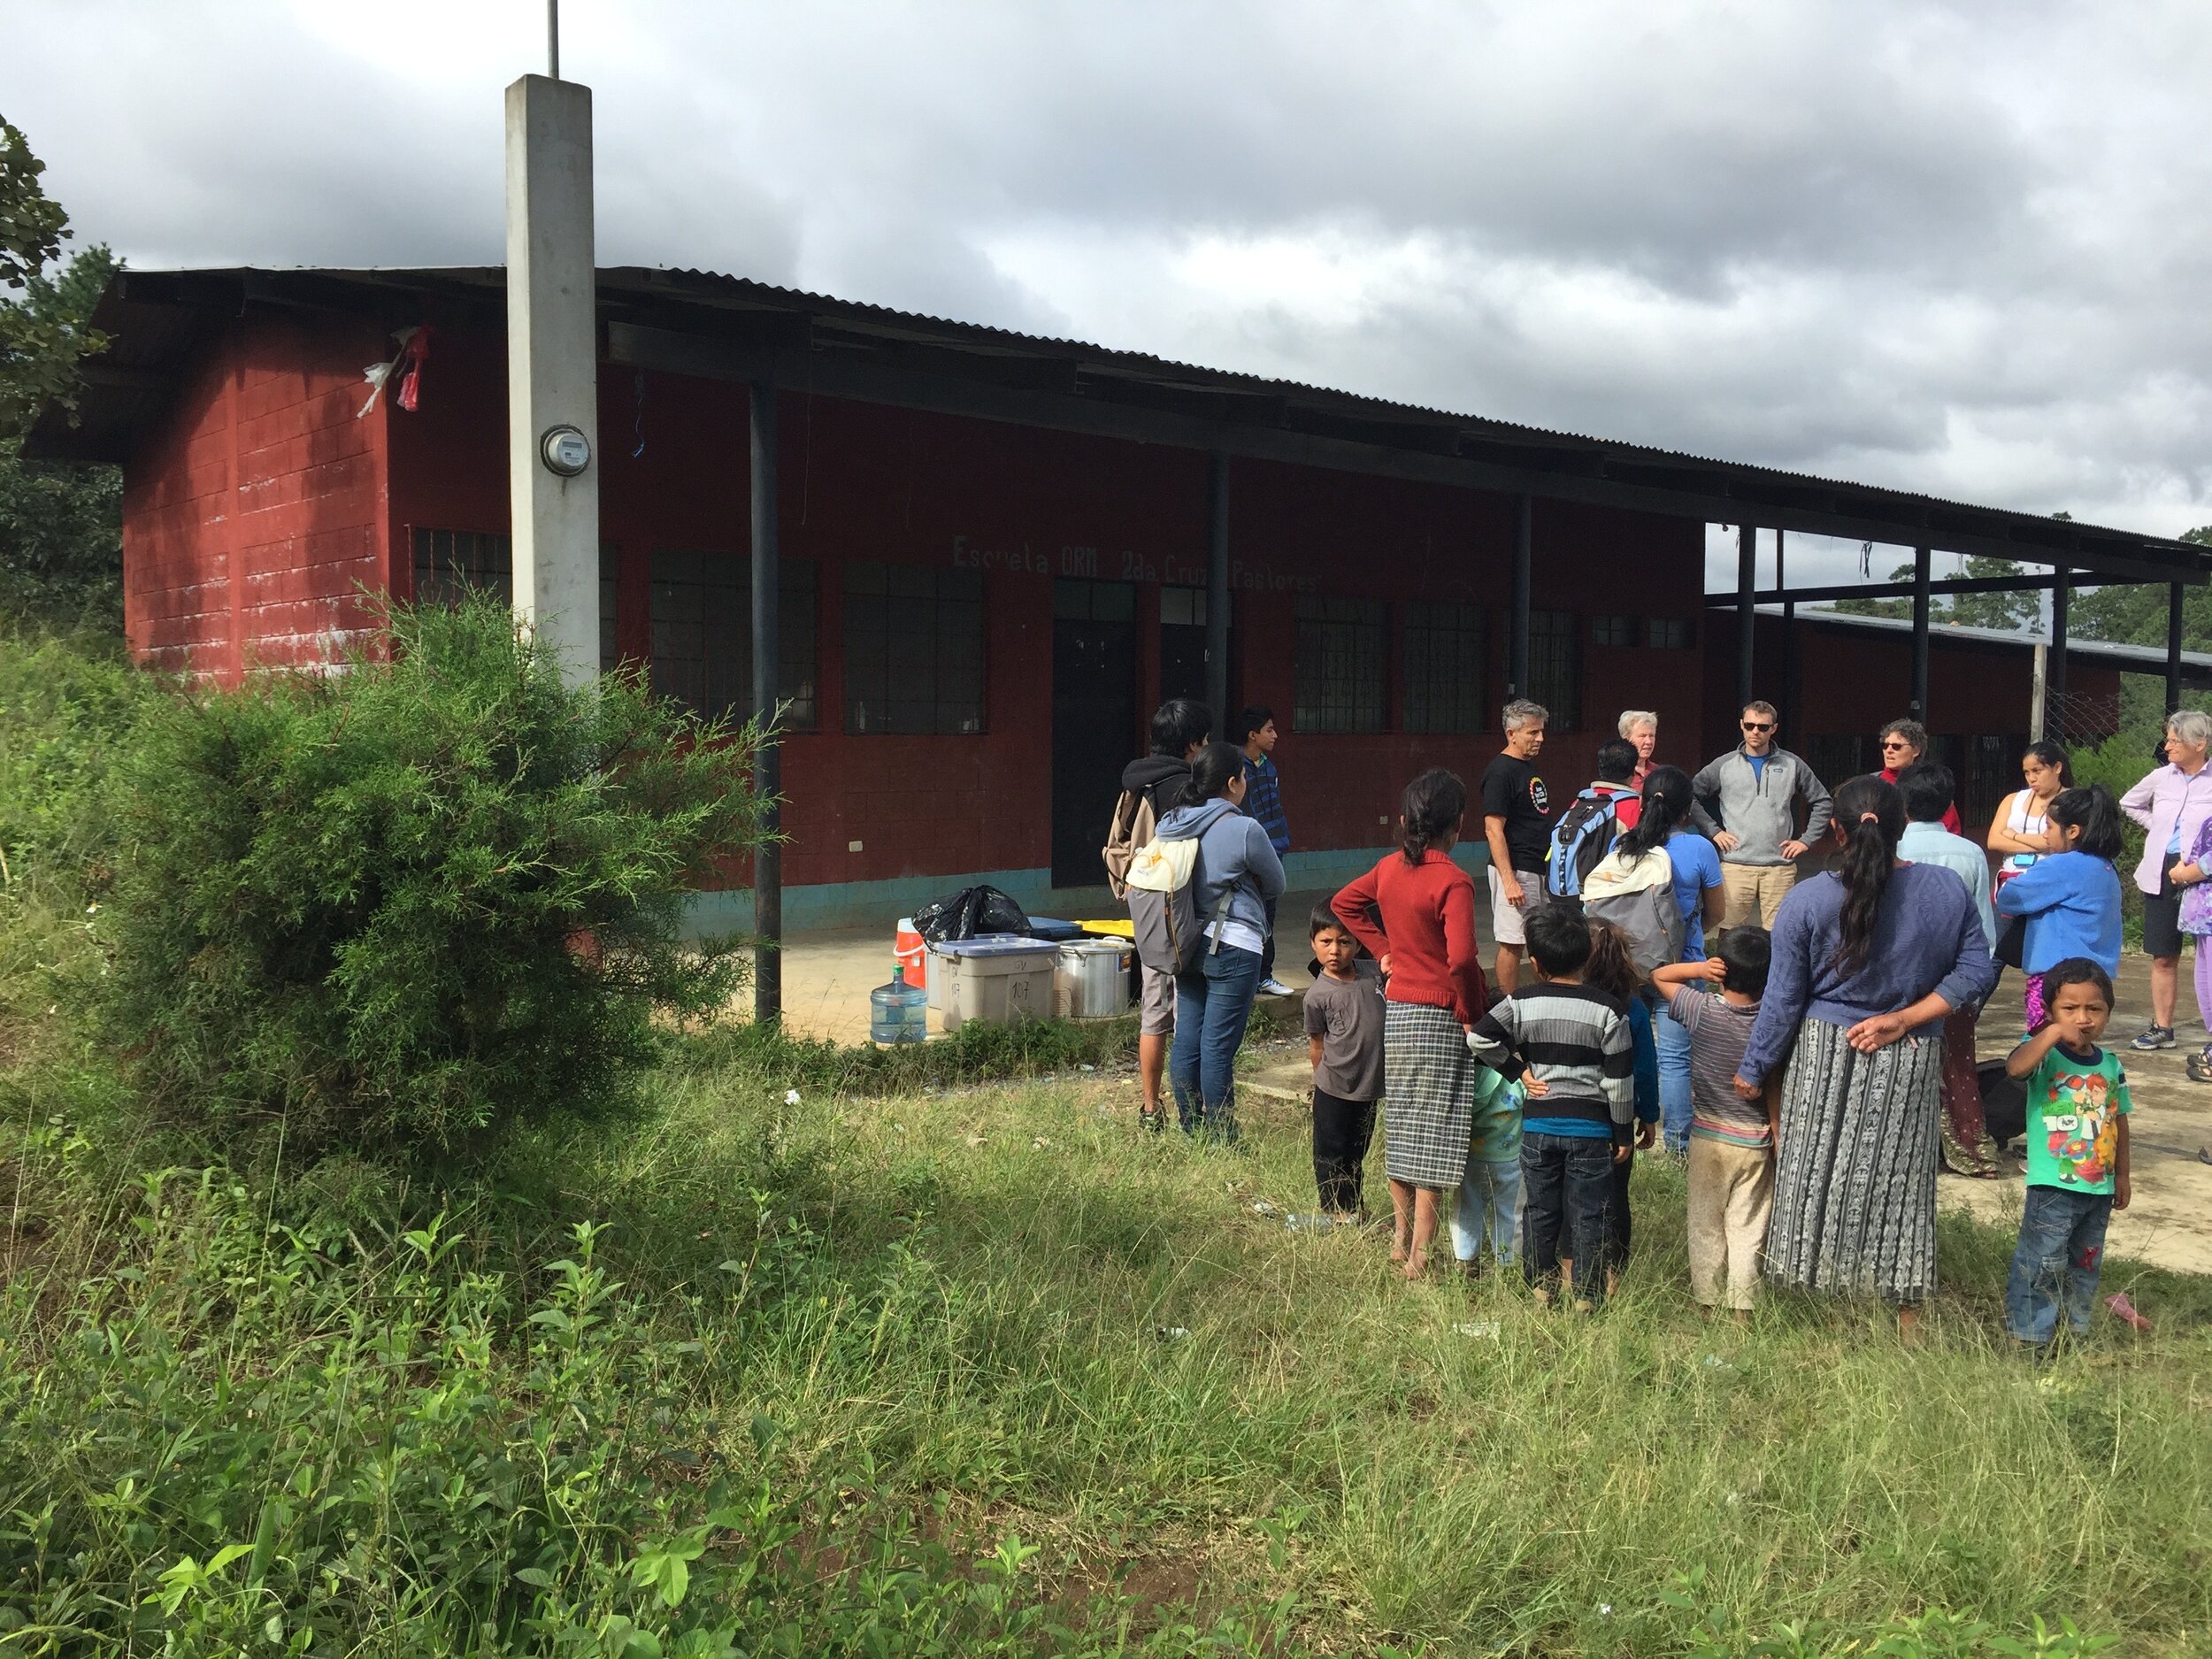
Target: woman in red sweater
x=1416 y=912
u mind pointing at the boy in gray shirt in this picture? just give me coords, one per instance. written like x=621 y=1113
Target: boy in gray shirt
x=1344 y=1039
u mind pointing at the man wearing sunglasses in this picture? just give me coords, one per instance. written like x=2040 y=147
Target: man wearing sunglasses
x=1747 y=802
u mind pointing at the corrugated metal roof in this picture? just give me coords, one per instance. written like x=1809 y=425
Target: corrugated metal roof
x=2133 y=659
x=150 y=348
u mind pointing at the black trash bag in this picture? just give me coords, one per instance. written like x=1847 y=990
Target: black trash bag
x=2004 y=1102
x=968 y=913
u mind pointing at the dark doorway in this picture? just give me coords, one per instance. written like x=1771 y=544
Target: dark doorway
x=1183 y=650
x=1094 y=719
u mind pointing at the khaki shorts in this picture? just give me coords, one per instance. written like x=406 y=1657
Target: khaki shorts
x=1157 y=1017
x=1506 y=919
x=1752 y=893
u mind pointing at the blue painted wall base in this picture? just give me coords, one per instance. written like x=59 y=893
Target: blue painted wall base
x=881 y=903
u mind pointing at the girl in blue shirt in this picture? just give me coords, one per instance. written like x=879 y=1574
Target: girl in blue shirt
x=2072 y=899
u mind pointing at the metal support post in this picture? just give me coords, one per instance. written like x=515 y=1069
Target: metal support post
x=2055 y=676
x=1218 y=600
x=2174 y=592
x=1919 y=708
x=1747 y=612
x=1516 y=680
x=767 y=686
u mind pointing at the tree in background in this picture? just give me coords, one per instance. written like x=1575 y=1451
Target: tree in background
x=2135 y=613
x=2008 y=612
x=61 y=540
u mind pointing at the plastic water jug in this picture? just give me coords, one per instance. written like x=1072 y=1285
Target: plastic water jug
x=898 y=1012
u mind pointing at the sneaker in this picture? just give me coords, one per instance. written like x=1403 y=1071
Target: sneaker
x=1273 y=987
x=2155 y=1037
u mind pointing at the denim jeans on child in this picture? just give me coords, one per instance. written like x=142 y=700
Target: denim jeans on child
x=2060 y=1249
x=1212 y=1003
x=1566 y=1180
x=1672 y=1037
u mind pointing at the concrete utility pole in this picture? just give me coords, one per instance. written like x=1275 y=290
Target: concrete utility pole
x=553 y=369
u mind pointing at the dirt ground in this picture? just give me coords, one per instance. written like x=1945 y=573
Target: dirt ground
x=827 y=977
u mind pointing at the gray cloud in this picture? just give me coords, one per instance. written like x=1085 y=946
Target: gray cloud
x=1958 y=248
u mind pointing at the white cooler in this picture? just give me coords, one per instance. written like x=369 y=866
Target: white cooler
x=1000 y=976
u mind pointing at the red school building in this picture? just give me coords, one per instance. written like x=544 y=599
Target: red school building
x=997 y=553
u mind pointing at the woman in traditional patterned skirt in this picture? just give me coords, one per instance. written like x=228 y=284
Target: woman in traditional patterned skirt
x=1869 y=958
x=1416 y=912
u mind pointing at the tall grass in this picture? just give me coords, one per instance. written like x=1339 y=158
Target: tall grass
x=979 y=1369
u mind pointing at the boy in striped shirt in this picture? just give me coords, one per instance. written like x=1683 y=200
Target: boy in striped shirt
x=1571 y=1046
x=1732 y=1139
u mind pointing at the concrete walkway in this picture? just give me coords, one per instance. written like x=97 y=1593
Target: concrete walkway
x=828 y=974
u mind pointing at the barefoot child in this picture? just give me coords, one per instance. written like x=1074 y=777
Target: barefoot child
x=1572 y=1043
x=1732 y=1139
x=1344 y=1040
x=2078 y=1154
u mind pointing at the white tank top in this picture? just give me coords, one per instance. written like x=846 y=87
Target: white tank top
x=2020 y=821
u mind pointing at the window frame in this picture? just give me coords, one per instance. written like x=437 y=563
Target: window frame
x=798 y=630
x=1422 y=624
x=1555 y=668
x=889 y=649
x=1332 y=632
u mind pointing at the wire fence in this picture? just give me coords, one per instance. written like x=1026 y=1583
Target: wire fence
x=2076 y=719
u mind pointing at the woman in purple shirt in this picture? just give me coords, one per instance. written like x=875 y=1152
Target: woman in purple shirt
x=1869 y=959
x=2171 y=805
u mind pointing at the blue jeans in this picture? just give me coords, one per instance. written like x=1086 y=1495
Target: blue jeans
x=1672 y=1040
x=2061 y=1247
x=1212 y=1003
x=1566 y=1181
x=1488 y=1208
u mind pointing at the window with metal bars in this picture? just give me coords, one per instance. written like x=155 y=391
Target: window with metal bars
x=449 y=561
x=1668 y=633
x=1338 y=682
x=913 y=650
x=703 y=633
x=1446 y=667
x=1555 y=667
x=1607 y=629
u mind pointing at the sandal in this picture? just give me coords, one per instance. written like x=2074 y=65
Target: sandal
x=2200 y=1067
x=1155 y=1120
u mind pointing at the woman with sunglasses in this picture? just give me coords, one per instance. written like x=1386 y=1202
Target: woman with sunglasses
x=1905 y=743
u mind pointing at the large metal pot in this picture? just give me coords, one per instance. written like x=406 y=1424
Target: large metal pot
x=1092 y=979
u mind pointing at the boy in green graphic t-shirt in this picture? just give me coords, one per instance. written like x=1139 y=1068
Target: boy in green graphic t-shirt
x=2078 y=1154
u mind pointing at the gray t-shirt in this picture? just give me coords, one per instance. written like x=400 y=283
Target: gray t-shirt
x=1348 y=1016
x=1719 y=1030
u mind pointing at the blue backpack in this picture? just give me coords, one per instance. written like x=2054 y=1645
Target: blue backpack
x=1586 y=832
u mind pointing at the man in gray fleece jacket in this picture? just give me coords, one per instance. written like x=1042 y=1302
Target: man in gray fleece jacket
x=1754 y=791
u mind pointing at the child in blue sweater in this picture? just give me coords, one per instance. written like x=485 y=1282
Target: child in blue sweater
x=2072 y=899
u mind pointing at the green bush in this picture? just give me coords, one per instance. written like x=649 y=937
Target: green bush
x=68 y=704
x=411 y=903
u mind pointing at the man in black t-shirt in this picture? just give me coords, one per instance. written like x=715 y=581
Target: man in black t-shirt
x=1516 y=821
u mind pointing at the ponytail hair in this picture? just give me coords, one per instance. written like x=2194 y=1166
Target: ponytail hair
x=2096 y=814
x=1871 y=816
x=1666 y=808
x=1432 y=808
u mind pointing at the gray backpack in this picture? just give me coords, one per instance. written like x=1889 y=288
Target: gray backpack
x=1637 y=896
x=1162 y=887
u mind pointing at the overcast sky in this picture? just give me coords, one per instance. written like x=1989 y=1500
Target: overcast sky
x=1962 y=248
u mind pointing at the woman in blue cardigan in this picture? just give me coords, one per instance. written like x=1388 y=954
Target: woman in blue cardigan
x=1870 y=958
